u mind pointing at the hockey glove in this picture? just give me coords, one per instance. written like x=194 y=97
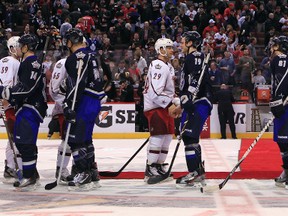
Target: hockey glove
x=187 y=103
x=4 y=93
x=69 y=114
x=276 y=106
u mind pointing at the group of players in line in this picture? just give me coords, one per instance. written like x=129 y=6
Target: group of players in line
x=76 y=80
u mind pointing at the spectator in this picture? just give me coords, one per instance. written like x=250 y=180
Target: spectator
x=134 y=72
x=227 y=67
x=258 y=79
x=265 y=66
x=65 y=27
x=252 y=49
x=126 y=91
x=162 y=20
x=226 y=112
x=141 y=62
x=214 y=74
x=261 y=15
x=26 y=30
x=143 y=123
x=247 y=66
x=212 y=29
x=93 y=43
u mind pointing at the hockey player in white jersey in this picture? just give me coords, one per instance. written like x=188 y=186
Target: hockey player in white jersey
x=8 y=77
x=57 y=93
x=159 y=95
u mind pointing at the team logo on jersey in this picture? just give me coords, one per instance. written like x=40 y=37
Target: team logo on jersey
x=59 y=65
x=158 y=66
x=80 y=55
x=36 y=65
x=5 y=60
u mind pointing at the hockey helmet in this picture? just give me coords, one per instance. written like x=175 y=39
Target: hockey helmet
x=30 y=40
x=13 y=43
x=163 y=42
x=75 y=35
x=193 y=36
x=282 y=42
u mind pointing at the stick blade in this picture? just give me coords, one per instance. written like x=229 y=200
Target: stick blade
x=50 y=186
x=210 y=189
x=108 y=174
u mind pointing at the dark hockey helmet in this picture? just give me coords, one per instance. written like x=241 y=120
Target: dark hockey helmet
x=75 y=35
x=193 y=36
x=282 y=42
x=30 y=40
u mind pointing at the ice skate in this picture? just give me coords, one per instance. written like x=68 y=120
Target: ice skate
x=193 y=179
x=95 y=178
x=9 y=174
x=27 y=184
x=162 y=170
x=151 y=170
x=81 y=182
x=280 y=181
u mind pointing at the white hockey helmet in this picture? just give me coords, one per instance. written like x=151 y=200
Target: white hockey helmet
x=13 y=42
x=163 y=42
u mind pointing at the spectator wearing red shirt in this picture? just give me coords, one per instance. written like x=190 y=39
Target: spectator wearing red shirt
x=88 y=23
x=227 y=11
x=211 y=28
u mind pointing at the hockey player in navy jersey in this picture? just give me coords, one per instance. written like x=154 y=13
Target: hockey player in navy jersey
x=88 y=104
x=279 y=71
x=196 y=104
x=29 y=98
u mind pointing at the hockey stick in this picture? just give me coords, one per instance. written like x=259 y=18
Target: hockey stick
x=114 y=174
x=11 y=143
x=55 y=183
x=159 y=178
x=213 y=188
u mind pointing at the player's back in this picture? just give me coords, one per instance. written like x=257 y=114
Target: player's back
x=9 y=67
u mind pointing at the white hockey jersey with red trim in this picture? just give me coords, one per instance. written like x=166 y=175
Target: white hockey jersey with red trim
x=8 y=71
x=159 y=86
x=58 y=76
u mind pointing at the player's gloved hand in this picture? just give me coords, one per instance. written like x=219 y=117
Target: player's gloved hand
x=69 y=114
x=176 y=101
x=187 y=103
x=276 y=106
x=4 y=93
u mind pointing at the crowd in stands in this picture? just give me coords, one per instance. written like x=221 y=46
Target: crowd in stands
x=123 y=33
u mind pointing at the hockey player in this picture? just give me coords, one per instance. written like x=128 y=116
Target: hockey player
x=29 y=98
x=88 y=104
x=57 y=93
x=8 y=77
x=197 y=105
x=159 y=95
x=279 y=66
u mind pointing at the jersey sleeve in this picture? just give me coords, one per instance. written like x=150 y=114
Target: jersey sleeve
x=8 y=71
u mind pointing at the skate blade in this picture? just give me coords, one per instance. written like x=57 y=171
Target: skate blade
x=28 y=188
x=194 y=185
x=79 y=188
x=280 y=184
